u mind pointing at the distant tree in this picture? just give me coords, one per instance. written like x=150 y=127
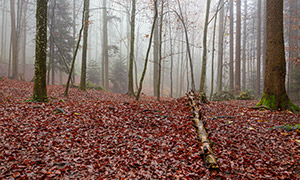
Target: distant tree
x=220 y=48
x=84 y=48
x=61 y=37
x=14 y=39
x=238 y=49
x=40 y=87
x=275 y=96
x=231 y=73
x=93 y=72
x=258 y=55
x=244 y=44
x=105 y=58
x=118 y=75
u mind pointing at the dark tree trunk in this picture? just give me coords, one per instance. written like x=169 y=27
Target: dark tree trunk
x=275 y=96
x=40 y=87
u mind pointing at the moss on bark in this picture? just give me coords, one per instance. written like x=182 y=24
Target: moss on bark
x=278 y=103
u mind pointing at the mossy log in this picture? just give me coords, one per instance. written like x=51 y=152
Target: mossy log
x=207 y=153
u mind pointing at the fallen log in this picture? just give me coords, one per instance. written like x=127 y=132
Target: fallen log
x=206 y=151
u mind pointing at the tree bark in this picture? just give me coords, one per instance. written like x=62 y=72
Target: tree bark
x=206 y=151
x=40 y=87
x=238 y=49
x=15 y=53
x=220 y=48
x=105 y=60
x=231 y=73
x=131 y=56
x=204 y=57
x=244 y=44
x=213 y=52
x=160 y=49
x=84 y=48
x=275 y=96
x=258 y=48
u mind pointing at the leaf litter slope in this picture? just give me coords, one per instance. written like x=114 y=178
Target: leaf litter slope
x=97 y=134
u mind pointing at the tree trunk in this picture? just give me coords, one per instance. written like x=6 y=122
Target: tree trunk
x=206 y=152
x=171 y=54
x=75 y=52
x=148 y=51
x=105 y=66
x=2 y=33
x=187 y=45
x=52 y=44
x=231 y=73
x=160 y=49
x=84 y=47
x=213 y=52
x=204 y=57
x=244 y=44
x=275 y=96
x=15 y=53
x=155 y=58
x=238 y=49
x=40 y=87
x=258 y=58
x=131 y=56
x=220 y=48
x=24 y=40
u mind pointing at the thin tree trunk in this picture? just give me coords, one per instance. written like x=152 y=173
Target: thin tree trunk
x=75 y=52
x=244 y=44
x=14 y=41
x=231 y=73
x=187 y=45
x=258 y=46
x=52 y=44
x=171 y=58
x=84 y=48
x=220 y=48
x=2 y=33
x=148 y=51
x=74 y=36
x=160 y=50
x=105 y=59
x=238 y=49
x=24 y=40
x=204 y=57
x=213 y=53
x=131 y=56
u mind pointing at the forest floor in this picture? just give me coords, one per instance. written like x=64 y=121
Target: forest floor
x=95 y=135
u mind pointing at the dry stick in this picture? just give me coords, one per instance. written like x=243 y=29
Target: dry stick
x=147 y=55
x=75 y=54
x=207 y=154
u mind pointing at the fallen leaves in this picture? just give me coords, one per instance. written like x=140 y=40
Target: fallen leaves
x=97 y=135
